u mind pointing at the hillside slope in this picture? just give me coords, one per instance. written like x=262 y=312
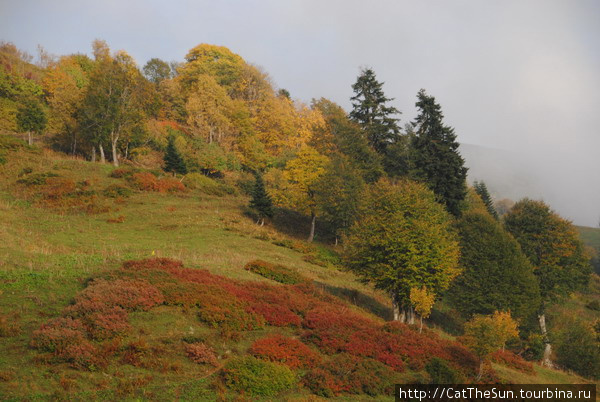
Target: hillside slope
x=67 y=221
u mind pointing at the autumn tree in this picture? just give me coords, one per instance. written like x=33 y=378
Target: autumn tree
x=157 y=70
x=65 y=84
x=295 y=187
x=422 y=300
x=482 y=191
x=261 y=201
x=208 y=108
x=485 y=334
x=371 y=112
x=435 y=159
x=403 y=239
x=338 y=193
x=114 y=103
x=343 y=135
x=552 y=245
x=496 y=274
x=31 y=118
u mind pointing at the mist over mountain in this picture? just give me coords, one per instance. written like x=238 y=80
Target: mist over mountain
x=515 y=175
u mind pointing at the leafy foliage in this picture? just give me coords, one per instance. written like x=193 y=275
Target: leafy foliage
x=402 y=240
x=278 y=273
x=288 y=351
x=255 y=377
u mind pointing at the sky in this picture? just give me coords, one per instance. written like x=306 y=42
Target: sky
x=520 y=76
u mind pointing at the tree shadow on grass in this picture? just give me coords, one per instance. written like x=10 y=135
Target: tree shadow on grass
x=359 y=299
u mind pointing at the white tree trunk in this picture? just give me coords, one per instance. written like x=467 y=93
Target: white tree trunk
x=396 y=310
x=93 y=154
x=113 y=142
x=546 y=359
x=29 y=138
x=102 y=156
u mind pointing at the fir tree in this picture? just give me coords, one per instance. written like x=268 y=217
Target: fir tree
x=173 y=160
x=481 y=189
x=434 y=155
x=369 y=110
x=261 y=201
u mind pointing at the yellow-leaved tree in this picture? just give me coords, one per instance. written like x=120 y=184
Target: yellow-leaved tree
x=295 y=186
x=422 y=300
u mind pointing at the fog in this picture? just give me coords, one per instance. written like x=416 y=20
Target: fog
x=519 y=77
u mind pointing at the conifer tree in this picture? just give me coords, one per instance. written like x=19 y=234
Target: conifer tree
x=369 y=110
x=261 y=202
x=31 y=118
x=173 y=160
x=481 y=189
x=435 y=158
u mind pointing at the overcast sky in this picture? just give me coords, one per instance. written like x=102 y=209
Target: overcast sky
x=516 y=75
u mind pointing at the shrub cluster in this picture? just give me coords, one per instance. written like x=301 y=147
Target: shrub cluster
x=255 y=377
x=146 y=181
x=288 y=351
x=345 y=373
x=278 y=273
x=200 y=353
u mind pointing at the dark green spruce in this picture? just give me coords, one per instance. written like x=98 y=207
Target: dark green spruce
x=261 y=201
x=173 y=160
x=482 y=191
x=435 y=159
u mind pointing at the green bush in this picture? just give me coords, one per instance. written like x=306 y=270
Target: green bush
x=198 y=181
x=36 y=179
x=441 y=373
x=255 y=377
x=578 y=350
x=278 y=273
x=116 y=190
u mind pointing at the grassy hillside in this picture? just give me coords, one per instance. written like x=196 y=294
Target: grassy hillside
x=66 y=221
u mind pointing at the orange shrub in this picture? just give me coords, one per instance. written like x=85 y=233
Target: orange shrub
x=201 y=353
x=145 y=181
x=169 y=185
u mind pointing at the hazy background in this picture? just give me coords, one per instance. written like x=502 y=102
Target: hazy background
x=519 y=76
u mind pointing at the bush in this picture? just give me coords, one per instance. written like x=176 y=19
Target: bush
x=594 y=305
x=278 y=273
x=441 y=373
x=577 y=349
x=206 y=185
x=255 y=377
x=116 y=190
x=288 y=351
x=348 y=374
x=122 y=172
x=36 y=179
x=201 y=353
x=511 y=360
x=169 y=185
x=145 y=181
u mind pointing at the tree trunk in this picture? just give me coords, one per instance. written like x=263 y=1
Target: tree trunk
x=93 y=154
x=396 y=310
x=113 y=142
x=312 y=227
x=29 y=138
x=546 y=361
x=421 y=327
x=262 y=222
x=102 y=156
x=480 y=370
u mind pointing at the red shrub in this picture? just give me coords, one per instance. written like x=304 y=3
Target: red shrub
x=201 y=354
x=82 y=355
x=57 y=187
x=165 y=264
x=511 y=360
x=276 y=315
x=348 y=374
x=288 y=351
x=145 y=181
x=169 y=185
x=130 y=295
x=57 y=334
